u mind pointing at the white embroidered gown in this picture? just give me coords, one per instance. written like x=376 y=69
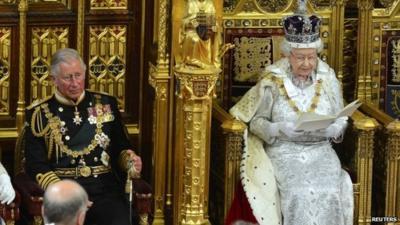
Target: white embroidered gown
x=313 y=189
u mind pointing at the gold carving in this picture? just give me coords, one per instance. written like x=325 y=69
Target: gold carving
x=392 y=169
x=5 y=59
x=195 y=90
x=80 y=29
x=37 y=220
x=200 y=88
x=394 y=140
x=273 y=6
x=163 y=56
x=196 y=84
x=45 y=42
x=394 y=102
x=249 y=6
x=108 y=4
x=254 y=54
x=365 y=5
x=63 y=2
x=160 y=86
x=229 y=5
x=365 y=129
x=386 y=3
x=198 y=37
x=7 y=2
x=107 y=60
x=396 y=60
x=22 y=9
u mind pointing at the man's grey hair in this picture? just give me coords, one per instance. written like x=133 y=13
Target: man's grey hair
x=286 y=48
x=64 y=211
x=64 y=55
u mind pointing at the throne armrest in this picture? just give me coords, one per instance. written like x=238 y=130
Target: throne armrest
x=31 y=193
x=142 y=200
x=143 y=195
x=10 y=213
x=386 y=162
x=226 y=152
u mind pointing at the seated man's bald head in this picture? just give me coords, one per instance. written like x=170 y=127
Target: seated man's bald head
x=65 y=202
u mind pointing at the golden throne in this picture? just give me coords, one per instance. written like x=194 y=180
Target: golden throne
x=255 y=29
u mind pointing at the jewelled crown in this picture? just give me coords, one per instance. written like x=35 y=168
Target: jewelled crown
x=300 y=28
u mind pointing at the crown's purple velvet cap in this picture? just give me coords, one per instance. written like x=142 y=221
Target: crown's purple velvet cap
x=302 y=29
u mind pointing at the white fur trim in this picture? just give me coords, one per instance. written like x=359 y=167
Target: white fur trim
x=258 y=180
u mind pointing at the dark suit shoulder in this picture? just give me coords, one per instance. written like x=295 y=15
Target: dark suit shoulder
x=105 y=94
x=38 y=102
x=102 y=97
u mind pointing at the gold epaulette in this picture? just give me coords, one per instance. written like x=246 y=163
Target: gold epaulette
x=44 y=180
x=38 y=102
x=38 y=127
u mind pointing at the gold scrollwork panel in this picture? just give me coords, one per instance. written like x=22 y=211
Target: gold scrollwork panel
x=64 y=2
x=8 y=2
x=5 y=63
x=108 y=4
x=107 y=60
x=45 y=42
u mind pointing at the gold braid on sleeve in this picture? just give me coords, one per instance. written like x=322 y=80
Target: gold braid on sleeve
x=44 y=180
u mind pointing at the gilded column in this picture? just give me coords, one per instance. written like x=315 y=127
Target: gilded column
x=364 y=158
x=22 y=9
x=337 y=36
x=195 y=90
x=160 y=80
x=197 y=66
x=364 y=50
x=234 y=146
x=392 y=207
x=80 y=26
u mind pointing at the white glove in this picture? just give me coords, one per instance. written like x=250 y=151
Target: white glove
x=7 y=193
x=332 y=131
x=287 y=128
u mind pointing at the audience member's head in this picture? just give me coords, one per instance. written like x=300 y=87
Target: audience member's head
x=65 y=203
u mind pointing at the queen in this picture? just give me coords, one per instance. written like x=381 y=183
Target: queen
x=290 y=176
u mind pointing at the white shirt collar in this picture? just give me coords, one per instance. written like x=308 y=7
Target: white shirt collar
x=66 y=101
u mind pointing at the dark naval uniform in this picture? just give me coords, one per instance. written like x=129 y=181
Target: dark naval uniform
x=85 y=142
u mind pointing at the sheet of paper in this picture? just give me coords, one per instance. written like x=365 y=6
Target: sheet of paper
x=349 y=109
x=313 y=121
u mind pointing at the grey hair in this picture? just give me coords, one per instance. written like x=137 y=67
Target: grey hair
x=286 y=48
x=64 y=211
x=64 y=55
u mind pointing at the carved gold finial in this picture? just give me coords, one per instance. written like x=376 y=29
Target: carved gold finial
x=23 y=6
